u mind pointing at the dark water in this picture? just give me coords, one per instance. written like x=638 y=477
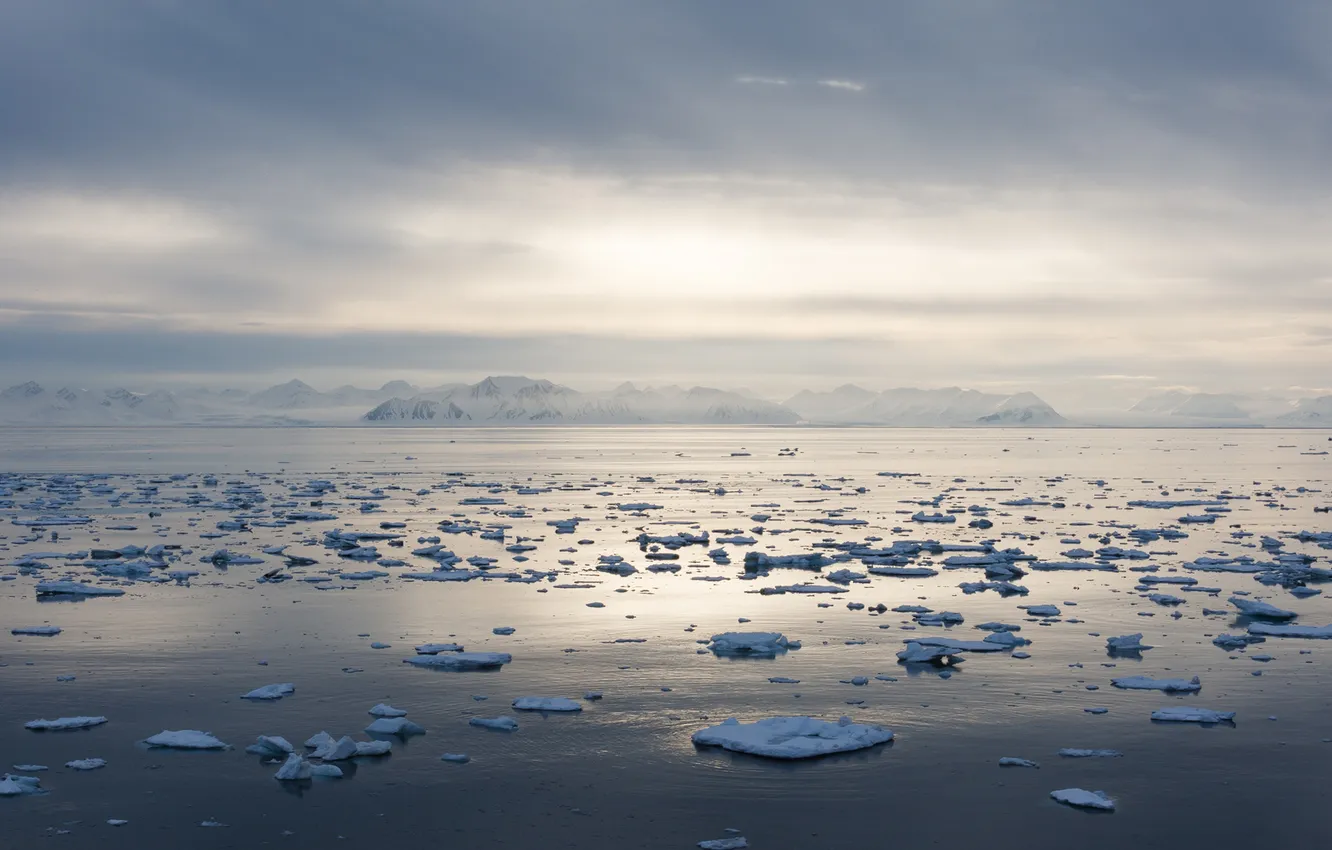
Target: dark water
x=623 y=773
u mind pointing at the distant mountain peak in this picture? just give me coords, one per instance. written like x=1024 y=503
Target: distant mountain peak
x=27 y=389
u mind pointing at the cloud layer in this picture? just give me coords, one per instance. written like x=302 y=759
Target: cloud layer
x=776 y=194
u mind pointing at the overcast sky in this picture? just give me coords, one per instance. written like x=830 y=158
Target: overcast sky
x=1086 y=199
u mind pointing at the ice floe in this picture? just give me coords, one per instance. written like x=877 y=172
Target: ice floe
x=792 y=737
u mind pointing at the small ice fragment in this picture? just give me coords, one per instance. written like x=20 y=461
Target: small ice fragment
x=456 y=758
x=270 y=745
x=1146 y=683
x=1188 y=714
x=546 y=704
x=36 y=631
x=270 y=692
x=85 y=764
x=394 y=726
x=294 y=769
x=507 y=724
x=1009 y=761
x=64 y=723
x=386 y=710
x=1084 y=799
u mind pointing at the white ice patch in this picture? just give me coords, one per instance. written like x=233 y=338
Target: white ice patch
x=792 y=737
x=186 y=739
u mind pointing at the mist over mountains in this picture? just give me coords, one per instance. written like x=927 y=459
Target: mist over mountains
x=518 y=400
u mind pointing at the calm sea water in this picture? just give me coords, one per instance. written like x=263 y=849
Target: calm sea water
x=624 y=773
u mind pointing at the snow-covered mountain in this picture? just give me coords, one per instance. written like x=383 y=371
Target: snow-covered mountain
x=907 y=406
x=1309 y=413
x=31 y=403
x=1183 y=407
x=1202 y=405
x=520 y=400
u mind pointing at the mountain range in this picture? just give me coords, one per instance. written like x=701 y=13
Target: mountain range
x=517 y=400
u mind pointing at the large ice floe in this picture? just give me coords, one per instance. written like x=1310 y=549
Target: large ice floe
x=1271 y=630
x=792 y=737
x=461 y=660
x=1147 y=683
x=751 y=643
x=1189 y=714
x=546 y=704
x=61 y=724
x=186 y=739
x=1258 y=608
x=1082 y=799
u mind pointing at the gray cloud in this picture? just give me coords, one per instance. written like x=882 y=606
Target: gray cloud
x=970 y=193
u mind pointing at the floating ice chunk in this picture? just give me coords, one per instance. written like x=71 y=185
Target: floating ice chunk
x=1165 y=599
x=1042 y=610
x=317 y=741
x=737 y=843
x=456 y=758
x=1257 y=608
x=749 y=643
x=959 y=645
x=30 y=768
x=37 y=631
x=801 y=588
x=1055 y=566
x=1126 y=643
x=269 y=692
x=792 y=737
x=903 y=572
x=1006 y=639
x=1083 y=799
x=462 y=660
x=437 y=648
x=74 y=588
x=15 y=786
x=507 y=724
x=941 y=618
x=915 y=653
x=783 y=680
x=63 y=723
x=921 y=516
x=332 y=771
x=335 y=750
x=294 y=769
x=270 y=745
x=760 y=561
x=1146 y=683
x=503 y=630
x=1009 y=761
x=1188 y=714
x=85 y=764
x=1312 y=632
x=386 y=710
x=546 y=704
x=1075 y=753
x=394 y=726
x=186 y=739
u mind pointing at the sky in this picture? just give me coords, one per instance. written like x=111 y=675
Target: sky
x=1089 y=200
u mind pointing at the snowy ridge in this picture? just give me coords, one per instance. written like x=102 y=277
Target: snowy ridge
x=911 y=407
x=519 y=400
